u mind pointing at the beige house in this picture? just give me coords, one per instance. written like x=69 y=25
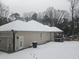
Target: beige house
x=18 y=34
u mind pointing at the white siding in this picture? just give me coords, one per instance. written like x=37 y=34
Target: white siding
x=29 y=37
x=52 y=36
x=6 y=42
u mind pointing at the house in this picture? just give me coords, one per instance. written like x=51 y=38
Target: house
x=18 y=34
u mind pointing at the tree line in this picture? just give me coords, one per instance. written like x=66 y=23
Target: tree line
x=68 y=22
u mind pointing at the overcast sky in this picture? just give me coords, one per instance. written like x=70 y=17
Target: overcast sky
x=35 y=5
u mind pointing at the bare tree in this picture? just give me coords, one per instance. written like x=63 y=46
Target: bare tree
x=74 y=4
x=4 y=10
x=28 y=15
x=50 y=13
x=34 y=16
x=14 y=16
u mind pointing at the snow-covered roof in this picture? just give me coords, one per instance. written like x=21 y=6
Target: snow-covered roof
x=14 y=25
x=55 y=29
x=32 y=25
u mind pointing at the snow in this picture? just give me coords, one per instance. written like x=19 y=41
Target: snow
x=51 y=50
x=32 y=25
x=55 y=29
x=13 y=25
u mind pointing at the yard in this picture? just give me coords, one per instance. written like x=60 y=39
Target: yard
x=51 y=50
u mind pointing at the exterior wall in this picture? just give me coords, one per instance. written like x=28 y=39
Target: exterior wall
x=45 y=37
x=52 y=36
x=6 y=41
x=29 y=37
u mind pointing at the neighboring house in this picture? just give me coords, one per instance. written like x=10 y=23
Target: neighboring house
x=18 y=34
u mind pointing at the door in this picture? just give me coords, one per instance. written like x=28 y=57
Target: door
x=21 y=42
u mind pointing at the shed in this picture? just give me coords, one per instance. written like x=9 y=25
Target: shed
x=19 y=34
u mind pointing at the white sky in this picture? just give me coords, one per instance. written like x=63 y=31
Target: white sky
x=35 y=5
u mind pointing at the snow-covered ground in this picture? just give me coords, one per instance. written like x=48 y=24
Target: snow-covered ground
x=51 y=50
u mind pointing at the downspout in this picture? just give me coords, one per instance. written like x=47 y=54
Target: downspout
x=13 y=32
